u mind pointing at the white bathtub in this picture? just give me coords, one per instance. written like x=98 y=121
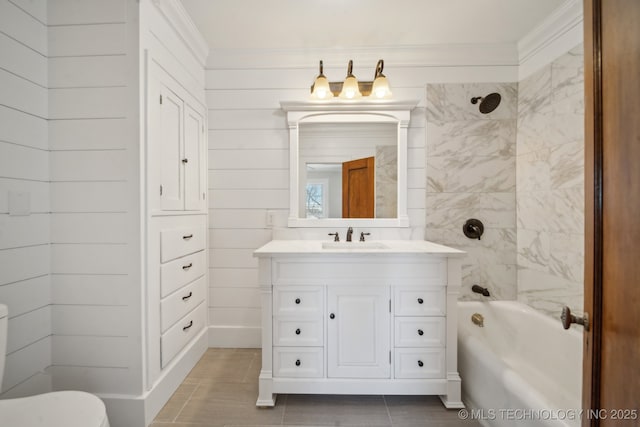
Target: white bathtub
x=521 y=368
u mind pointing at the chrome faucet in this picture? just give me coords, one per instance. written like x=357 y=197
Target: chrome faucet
x=349 y=233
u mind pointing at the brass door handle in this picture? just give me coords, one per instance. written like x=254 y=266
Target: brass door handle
x=567 y=319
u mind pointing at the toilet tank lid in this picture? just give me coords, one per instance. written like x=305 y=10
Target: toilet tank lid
x=4 y=311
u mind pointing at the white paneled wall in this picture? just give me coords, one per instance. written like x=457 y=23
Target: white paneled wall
x=95 y=286
x=24 y=169
x=249 y=166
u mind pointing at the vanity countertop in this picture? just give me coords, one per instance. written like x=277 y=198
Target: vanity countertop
x=306 y=247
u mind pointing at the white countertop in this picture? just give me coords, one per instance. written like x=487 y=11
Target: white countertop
x=305 y=247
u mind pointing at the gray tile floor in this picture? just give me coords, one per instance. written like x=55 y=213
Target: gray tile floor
x=222 y=388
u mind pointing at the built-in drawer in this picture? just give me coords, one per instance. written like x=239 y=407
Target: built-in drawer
x=177 y=336
x=177 y=273
x=419 y=363
x=297 y=332
x=420 y=331
x=297 y=301
x=303 y=362
x=182 y=301
x=178 y=242
x=414 y=301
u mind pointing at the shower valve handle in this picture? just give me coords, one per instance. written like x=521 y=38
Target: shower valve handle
x=567 y=319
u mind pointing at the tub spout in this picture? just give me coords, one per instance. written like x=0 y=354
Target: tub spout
x=477 y=319
x=480 y=290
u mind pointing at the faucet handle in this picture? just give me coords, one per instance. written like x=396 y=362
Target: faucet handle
x=336 y=237
x=362 y=234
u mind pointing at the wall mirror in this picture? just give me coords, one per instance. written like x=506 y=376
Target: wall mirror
x=348 y=163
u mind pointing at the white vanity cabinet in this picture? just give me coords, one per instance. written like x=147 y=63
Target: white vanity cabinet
x=343 y=321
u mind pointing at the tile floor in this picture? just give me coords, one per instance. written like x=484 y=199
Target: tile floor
x=222 y=388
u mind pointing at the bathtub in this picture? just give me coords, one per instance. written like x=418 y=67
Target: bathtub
x=521 y=368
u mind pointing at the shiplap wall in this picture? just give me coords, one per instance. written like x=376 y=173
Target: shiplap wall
x=24 y=167
x=95 y=233
x=249 y=165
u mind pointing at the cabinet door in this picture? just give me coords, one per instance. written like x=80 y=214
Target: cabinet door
x=171 y=151
x=358 y=337
x=192 y=162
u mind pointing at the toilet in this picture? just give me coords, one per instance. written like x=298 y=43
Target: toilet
x=57 y=409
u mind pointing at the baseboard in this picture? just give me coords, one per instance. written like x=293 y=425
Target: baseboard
x=235 y=337
x=139 y=411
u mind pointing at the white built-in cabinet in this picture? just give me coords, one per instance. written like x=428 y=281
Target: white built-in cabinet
x=358 y=323
x=181 y=137
x=177 y=227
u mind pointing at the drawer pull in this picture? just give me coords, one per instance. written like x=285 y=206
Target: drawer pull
x=188 y=266
x=420 y=331
x=185 y=160
x=187 y=237
x=332 y=316
x=298 y=362
x=420 y=363
x=420 y=300
x=297 y=300
x=298 y=331
x=186 y=297
x=188 y=326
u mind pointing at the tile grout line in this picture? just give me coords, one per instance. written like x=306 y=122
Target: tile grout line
x=384 y=399
x=186 y=401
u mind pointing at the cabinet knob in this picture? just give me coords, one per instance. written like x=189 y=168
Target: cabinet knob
x=420 y=300
x=420 y=363
x=298 y=331
x=298 y=362
x=297 y=300
x=185 y=160
x=332 y=316
x=420 y=332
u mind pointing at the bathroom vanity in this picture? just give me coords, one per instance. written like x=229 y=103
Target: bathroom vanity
x=375 y=317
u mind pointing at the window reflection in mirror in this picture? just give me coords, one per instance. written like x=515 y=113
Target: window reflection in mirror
x=348 y=170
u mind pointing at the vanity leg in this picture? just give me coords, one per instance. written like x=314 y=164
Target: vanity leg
x=266 y=397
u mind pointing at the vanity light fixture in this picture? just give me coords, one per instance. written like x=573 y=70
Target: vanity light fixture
x=351 y=88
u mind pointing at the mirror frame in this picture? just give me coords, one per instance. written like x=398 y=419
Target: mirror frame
x=301 y=112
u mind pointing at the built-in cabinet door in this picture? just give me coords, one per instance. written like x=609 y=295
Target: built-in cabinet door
x=358 y=332
x=193 y=153
x=171 y=151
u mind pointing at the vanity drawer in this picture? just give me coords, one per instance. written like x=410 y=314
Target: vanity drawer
x=181 y=302
x=413 y=301
x=175 y=243
x=181 y=333
x=419 y=363
x=304 y=362
x=420 y=331
x=297 y=301
x=292 y=332
x=179 y=272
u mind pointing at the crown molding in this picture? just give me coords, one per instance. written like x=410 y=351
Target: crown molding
x=178 y=18
x=498 y=54
x=558 y=33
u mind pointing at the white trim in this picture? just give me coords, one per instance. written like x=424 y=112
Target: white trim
x=486 y=54
x=234 y=336
x=130 y=410
x=558 y=33
x=176 y=15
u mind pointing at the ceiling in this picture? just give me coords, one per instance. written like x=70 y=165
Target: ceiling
x=310 y=24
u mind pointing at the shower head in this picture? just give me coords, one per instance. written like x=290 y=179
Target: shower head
x=487 y=103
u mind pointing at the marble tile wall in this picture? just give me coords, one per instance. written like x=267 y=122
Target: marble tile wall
x=386 y=181
x=550 y=185
x=471 y=173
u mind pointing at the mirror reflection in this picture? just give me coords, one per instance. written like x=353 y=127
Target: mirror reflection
x=348 y=170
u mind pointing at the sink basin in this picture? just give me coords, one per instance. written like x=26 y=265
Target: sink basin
x=354 y=246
